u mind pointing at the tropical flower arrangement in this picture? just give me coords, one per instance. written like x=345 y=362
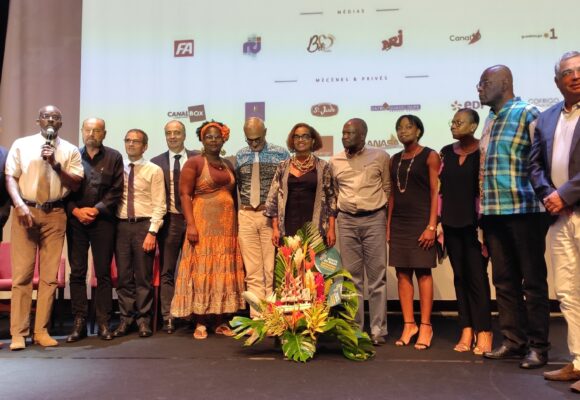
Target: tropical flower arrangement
x=313 y=297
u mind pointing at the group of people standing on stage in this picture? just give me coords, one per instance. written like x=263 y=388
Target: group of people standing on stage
x=185 y=204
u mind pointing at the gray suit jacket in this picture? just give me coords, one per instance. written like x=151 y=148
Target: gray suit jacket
x=540 y=166
x=162 y=160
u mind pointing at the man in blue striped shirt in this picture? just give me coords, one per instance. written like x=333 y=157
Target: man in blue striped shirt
x=513 y=222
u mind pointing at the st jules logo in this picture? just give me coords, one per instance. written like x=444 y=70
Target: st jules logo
x=324 y=110
x=183 y=48
x=320 y=43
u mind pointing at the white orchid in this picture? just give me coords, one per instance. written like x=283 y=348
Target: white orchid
x=294 y=242
x=298 y=257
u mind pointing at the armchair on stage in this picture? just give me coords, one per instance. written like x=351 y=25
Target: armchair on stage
x=313 y=297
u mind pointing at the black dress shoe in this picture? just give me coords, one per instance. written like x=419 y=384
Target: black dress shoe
x=534 y=359
x=168 y=326
x=378 y=340
x=504 y=353
x=104 y=332
x=79 y=330
x=122 y=329
x=144 y=330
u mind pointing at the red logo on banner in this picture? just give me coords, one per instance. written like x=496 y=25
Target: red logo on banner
x=183 y=48
x=324 y=110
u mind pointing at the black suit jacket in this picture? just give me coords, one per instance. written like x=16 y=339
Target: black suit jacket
x=4 y=197
x=162 y=160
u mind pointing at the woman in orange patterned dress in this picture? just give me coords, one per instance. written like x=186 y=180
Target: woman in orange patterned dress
x=210 y=279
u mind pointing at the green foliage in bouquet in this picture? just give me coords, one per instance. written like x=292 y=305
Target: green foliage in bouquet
x=306 y=304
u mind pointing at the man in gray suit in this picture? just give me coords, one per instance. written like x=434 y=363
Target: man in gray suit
x=172 y=233
x=555 y=175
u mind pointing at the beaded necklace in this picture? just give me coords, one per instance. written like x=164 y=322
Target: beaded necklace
x=403 y=190
x=303 y=166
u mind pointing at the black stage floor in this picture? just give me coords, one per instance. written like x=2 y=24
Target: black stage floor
x=178 y=367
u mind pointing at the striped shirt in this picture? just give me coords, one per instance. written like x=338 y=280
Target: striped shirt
x=270 y=156
x=505 y=185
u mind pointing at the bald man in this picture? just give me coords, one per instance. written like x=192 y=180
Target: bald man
x=41 y=170
x=255 y=168
x=513 y=221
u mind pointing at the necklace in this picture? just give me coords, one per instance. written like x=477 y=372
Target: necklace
x=303 y=166
x=219 y=166
x=403 y=190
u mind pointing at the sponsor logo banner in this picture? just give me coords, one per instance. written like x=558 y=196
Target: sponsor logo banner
x=183 y=48
x=544 y=102
x=324 y=110
x=473 y=104
x=320 y=43
x=196 y=113
x=470 y=39
x=256 y=109
x=393 y=41
x=551 y=34
x=253 y=45
x=396 y=107
x=391 y=143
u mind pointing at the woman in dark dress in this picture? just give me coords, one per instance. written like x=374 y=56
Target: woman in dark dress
x=459 y=191
x=302 y=189
x=411 y=227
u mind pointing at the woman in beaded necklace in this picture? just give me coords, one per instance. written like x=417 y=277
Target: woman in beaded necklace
x=411 y=227
x=302 y=189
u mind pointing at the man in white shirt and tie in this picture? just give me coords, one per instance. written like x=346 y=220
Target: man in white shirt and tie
x=140 y=217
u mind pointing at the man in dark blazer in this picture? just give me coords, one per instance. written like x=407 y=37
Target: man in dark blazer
x=4 y=197
x=172 y=233
x=555 y=174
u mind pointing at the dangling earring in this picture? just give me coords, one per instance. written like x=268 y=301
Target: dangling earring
x=222 y=152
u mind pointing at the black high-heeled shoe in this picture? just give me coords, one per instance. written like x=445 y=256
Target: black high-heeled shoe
x=424 y=346
x=400 y=342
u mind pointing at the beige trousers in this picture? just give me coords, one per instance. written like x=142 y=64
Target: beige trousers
x=46 y=235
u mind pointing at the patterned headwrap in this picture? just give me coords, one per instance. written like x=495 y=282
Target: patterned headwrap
x=223 y=128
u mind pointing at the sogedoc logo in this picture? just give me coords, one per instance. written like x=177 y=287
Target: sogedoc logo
x=320 y=43
x=473 y=104
x=183 y=48
x=396 y=107
x=544 y=102
x=253 y=45
x=324 y=110
x=194 y=113
x=551 y=34
x=470 y=39
x=393 y=41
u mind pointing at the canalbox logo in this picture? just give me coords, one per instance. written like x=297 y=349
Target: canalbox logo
x=470 y=39
x=183 y=48
x=320 y=43
x=256 y=109
x=196 y=113
x=253 y=45
x=393 y=41
x=324 y=110
x=385 y=144
x=396 y=107
x=473 y=104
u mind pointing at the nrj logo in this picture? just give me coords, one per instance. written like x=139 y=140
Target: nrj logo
x=473 y=104
x=183 y=48
x=393 y=41
x=253 y=45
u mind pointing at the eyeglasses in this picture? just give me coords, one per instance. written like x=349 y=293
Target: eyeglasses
x=456 y=123
x=302 y=137
x=256 y=140
x=55 y=117
x=133 y=141
x=211 y=137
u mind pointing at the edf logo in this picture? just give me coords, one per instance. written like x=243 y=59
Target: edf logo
x=183 y=48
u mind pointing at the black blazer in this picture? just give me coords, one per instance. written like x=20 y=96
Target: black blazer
x=162 y=160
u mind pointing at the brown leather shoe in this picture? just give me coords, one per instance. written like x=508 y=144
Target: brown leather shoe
x=568 y=373
x=575 y=387
x=45 y=340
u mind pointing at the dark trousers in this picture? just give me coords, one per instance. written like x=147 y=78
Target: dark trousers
x=135 y=272
x=100 y=237
x=516 y=244
x=170 y=241
x=469 y=277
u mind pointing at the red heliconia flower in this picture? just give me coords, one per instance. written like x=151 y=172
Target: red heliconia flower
x=319 y=281
x=311 y=254
x=286 y=251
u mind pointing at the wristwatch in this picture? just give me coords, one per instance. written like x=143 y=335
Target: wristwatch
x=152 y=233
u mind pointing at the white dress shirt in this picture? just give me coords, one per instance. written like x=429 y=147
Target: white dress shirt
x=172 y=195
x=149 y=192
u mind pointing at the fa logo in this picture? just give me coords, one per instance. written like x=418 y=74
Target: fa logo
x=183 y=48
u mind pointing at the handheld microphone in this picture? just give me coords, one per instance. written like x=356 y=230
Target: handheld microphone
x=50 y=134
